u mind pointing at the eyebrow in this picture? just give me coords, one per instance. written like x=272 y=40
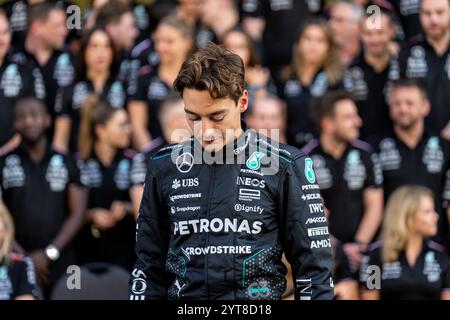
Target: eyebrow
x=216 y=113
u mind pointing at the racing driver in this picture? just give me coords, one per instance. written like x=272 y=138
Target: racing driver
x=220 y=209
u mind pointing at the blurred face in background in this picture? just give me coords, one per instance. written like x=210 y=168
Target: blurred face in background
x=99 y=52
x=124 y=32
x=313 y=45
x=343 y=23
x=376 y=40
x=31 y=120
x=53 y=31
x=173 y=122
x=170 y=44
x=424 y=222
x=408 y=107
x=236 y=42
x=268 y=117
x=116 y=131
x=345 y=123
x=2 y=231
x=191 y=8
x=435 y=18
x=5 y=36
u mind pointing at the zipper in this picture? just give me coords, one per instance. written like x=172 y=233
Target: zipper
x=211 y=185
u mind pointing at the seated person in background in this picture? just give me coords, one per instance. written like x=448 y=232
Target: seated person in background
x=17 y=277
x=405 y=265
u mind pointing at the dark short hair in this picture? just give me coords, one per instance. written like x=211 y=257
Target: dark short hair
x=111 y=12
x=26 y=100
x=408 y=83
x=41 y=12
x=324 y=106
x=215 y=69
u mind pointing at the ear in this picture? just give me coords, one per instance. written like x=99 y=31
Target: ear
x=426 y=107
x=99 y=131
x=243 y=102
x=326 y=124
x=47 y=121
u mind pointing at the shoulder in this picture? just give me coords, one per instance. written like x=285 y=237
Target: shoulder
x=437 y=248
x=164 y=160
x=311 y=147
x=12 y=157
x=282 y=151
x=362 y=150
x=129 y=154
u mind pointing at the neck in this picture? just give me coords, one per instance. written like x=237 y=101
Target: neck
x=440 y=45
x=306 y=72
x=410 y=136
x=349 y=50
x=378 y=62
x=105 y=152
x=332 y=146
x=98 y=78
x=169 y=71
x=37 y=149
x=413 y=247
x=41 y=52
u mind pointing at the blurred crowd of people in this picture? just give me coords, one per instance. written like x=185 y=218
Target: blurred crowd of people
x=362 y=86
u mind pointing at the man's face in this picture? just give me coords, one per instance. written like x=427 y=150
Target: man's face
x=5 y=37
x=377 y=39
x=54 y=30
x=267 y=117
x=215 y=122
x=31 y=121
x=124 y=33
x=435 y=18
x=342 y=23
x=407 y=107
x=346 y=121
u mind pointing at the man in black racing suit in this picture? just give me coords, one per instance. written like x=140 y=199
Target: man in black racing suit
x=217 y=214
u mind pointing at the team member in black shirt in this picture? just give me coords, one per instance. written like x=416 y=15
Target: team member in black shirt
x=428 y=61
x=405 y=265
x=408 y=14
x=17 y=277
x=16 y=80
x=348 y=174
x=173 y=42
x=275 y=23
x=97 y=74
x=367 y=78
x=41 y=189
x=409 y=154
x=315 y=69
x=117 y=18
x=108 y=235
x=44 y=48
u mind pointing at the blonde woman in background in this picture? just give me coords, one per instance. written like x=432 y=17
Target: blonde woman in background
x=405 y=264
x=17 y=277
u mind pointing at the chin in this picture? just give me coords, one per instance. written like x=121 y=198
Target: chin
x=214 y=147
